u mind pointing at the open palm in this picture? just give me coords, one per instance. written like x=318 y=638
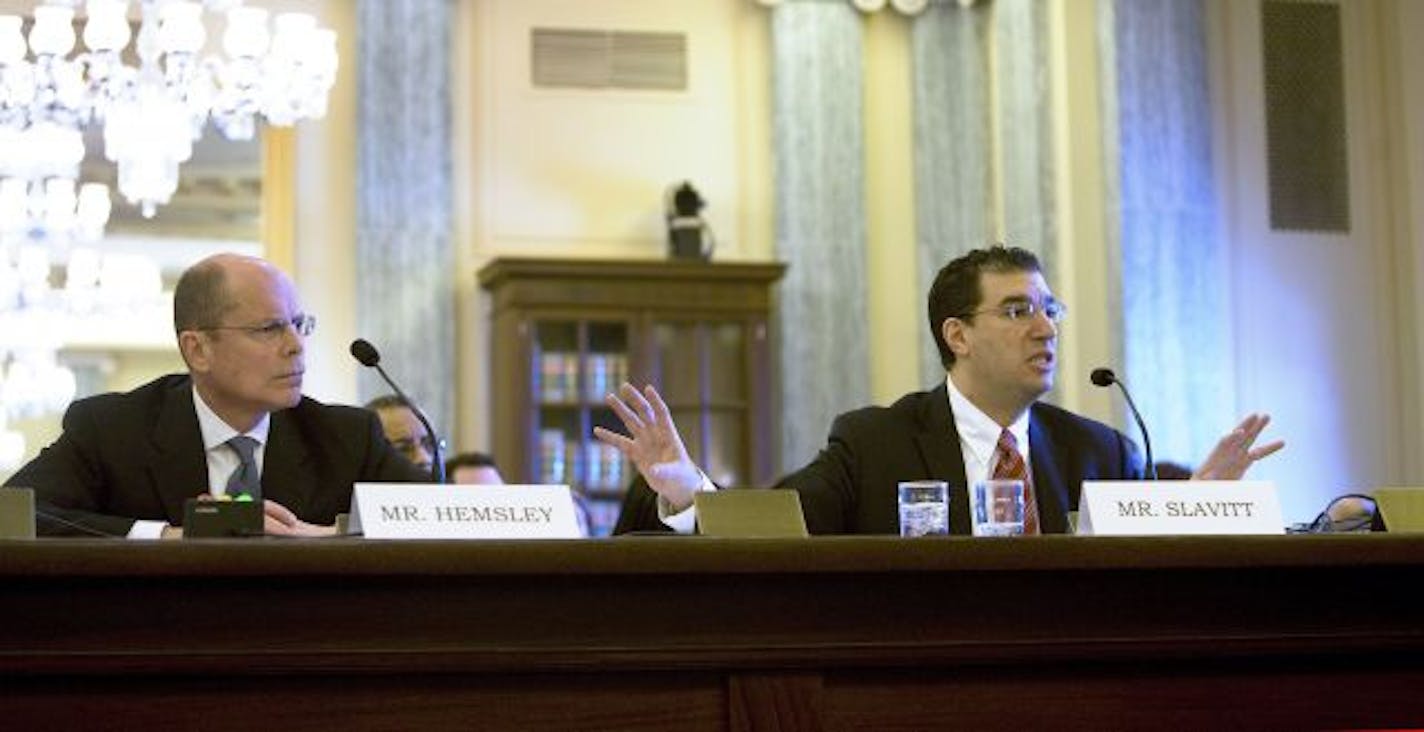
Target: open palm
x=652 y=444
x=1235 y=452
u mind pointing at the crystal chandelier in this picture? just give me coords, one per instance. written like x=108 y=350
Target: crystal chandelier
x=150 y=95
x=102 y=293
x=151 y=113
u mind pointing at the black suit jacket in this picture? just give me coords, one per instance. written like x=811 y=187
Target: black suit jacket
x=852 y=485
x=139 y=455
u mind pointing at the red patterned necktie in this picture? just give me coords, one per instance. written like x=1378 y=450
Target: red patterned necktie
x=1009 y=465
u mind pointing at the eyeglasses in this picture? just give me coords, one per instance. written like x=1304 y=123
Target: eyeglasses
x=270 y=331
x=1022 y=310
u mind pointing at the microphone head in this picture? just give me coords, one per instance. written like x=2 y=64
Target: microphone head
x=365 y=352
x=1100 y=376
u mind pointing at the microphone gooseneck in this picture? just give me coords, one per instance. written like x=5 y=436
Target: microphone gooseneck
x=1106 y=377
x=369 y=357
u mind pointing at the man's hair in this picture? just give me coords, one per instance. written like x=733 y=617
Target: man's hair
x=1167 y=470
x=385 y=401
x=200 y=299
x=956 y=293
x=468 y=460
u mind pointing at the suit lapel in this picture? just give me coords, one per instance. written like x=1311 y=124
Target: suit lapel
x=287 y=475
x=938 y=442
x=181 y=470
x=1049 y=490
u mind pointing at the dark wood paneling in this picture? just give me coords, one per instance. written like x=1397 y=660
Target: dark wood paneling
x=700 y=633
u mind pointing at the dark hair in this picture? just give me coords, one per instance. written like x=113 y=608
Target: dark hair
x=468 y=460
x=200 y=299
x=1167 y=470
x=956 y=293
x=385 y=401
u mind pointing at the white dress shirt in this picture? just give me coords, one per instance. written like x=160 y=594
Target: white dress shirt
x=979 y=435
x=222 y=460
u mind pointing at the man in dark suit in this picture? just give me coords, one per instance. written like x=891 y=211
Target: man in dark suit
x=237 y=422
x=995 y=323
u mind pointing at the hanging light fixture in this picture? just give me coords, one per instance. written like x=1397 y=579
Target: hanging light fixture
x=55 y=84
x=151 y=113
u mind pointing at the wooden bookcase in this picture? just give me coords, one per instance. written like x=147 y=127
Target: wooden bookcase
x=568 y=331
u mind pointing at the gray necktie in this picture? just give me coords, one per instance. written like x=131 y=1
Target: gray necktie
x=245 y=479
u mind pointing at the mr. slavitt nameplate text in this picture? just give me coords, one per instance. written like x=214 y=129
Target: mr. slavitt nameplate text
x=1179 y=507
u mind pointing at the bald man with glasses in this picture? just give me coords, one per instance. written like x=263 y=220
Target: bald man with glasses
x=235 y=423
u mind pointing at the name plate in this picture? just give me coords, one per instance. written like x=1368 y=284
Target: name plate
x=1179 y=508
x=434 y=511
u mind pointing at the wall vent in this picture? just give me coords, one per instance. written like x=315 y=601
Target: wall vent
x=603 y=59
x=1306 y=138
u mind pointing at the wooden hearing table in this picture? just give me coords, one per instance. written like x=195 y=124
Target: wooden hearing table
x=695 y=633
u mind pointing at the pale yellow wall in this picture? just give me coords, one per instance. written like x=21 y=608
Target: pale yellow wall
x=467 y=92
x=751 y=80
x=582 y=173
x=1083 y=276
x=1400 y=23
x=325 y=211
x=896 y=306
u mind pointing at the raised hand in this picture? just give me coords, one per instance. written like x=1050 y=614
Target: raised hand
x=652 y=444
x=1234 y=453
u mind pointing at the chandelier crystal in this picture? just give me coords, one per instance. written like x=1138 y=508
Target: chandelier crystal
x=152 y=112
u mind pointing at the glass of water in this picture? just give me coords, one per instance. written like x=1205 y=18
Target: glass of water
x=996 y=508
x=924 y=508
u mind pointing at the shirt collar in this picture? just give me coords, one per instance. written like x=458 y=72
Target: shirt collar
x=978 y=430
x=217 y=432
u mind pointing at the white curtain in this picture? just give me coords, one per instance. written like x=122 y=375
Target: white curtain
x=820 y=227
x=1176 y=324
x=405 y=287
x=954 y=178
x=1025 y=119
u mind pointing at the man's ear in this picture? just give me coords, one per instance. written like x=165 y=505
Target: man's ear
x=194 y=348
x=952 y=330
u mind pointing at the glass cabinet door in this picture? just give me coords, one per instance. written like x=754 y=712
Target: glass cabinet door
x=568 y=331
x=577 y=362
x=701 y=370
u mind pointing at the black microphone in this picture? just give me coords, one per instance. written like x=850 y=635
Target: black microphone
x=371 y=358
x=1105 y=377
